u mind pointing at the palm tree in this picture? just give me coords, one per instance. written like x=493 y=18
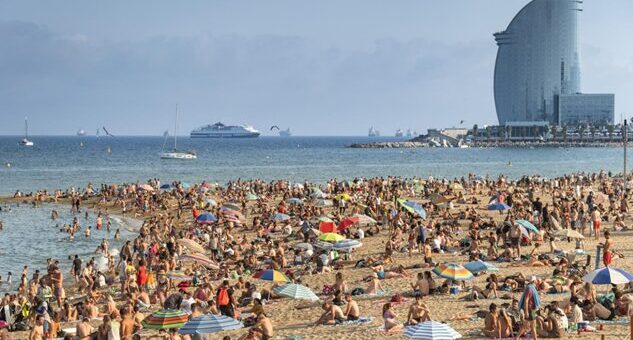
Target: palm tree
x=565 y=133
x=554 y=131
x=546 y=131
x=475 y=132
x=581 y=132
x=610 y=129
x=488 y=133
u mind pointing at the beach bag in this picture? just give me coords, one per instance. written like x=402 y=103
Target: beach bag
x=223 y=297
x=358 y=291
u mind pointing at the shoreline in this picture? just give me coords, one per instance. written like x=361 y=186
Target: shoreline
x=412 y=144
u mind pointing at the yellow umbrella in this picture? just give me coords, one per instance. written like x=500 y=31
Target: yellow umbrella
x=344 y=197
x=331 y=237
x=457 y=186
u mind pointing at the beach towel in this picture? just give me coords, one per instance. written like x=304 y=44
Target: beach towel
x=531 y=296
x=361 y=321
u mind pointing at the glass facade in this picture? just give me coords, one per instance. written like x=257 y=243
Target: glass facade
x=538 y=60
x=586 y=108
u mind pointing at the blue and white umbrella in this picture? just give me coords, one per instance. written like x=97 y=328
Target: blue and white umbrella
x=209 y=324
x=346 y=245
x=605 y=276
x=480 y=266
x=295 y=291
x=431 y=330
x=280 y=217
x=527 y=225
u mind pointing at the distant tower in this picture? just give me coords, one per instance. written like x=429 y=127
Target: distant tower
x=538 y=60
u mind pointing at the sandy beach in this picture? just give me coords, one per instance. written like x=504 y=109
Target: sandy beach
x=465 y=201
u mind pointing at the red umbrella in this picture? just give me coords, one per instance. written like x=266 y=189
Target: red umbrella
x=348 y=221
x=327 y=227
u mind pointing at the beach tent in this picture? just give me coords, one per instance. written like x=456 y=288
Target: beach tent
x=297 y=292
x=431 y=330
x=607 y=275
x=209 y=323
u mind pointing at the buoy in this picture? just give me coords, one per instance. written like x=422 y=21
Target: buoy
x=8 y=164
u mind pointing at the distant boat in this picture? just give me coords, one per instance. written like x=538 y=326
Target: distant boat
x=25 y=141
x=373 y=132
x=81 y=133
x=399 y=133
x=219 y=130
x=285 y=133
x=176 y=154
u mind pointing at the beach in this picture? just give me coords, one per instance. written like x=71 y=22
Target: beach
x=267 y=219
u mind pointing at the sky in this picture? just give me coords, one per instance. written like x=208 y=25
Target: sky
x=327 y=67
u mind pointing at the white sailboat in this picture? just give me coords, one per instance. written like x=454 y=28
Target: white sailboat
x=175 y=154
x=25 y=141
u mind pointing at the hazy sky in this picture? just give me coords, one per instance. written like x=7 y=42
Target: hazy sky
x=326 y=67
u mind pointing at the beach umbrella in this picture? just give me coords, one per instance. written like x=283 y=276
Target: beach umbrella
x=324 y=203
x=231 y=206
x=325 y=219
x=271 y=275
x=297 y=186
x=191 y=245
x=323 y=245
x=294 y=200
x=327 y=227
x=206 y=218
x=431 y=330
x=554 y=223
x=413 y=207
x=280 y=217
x=303 y=245
x=318 y=194
x=146 y=187
x=251 y=197
x=346 y=245
x=343 y=196
x=364 y=219
x=331 y=237
x=524 y=231
x=527 y=225
x=453 y=272
x=480 y=266
x=166 y=187
x=498 y=206
x=209 y=323
x=202 y=189
x=569 y=233
x=456 y=186
x=202 y=259
x=165 y=319
x=297 y=292
x=211 y=202
x=444 y=199
x=348 y=221
x=606 y=275
x=178 y=275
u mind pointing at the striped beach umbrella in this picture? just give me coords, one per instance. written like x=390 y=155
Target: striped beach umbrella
x=605 y=276
x=271 y=275
x=202 y=259
x=280 y=217
x=179 y=276
x=331 y=237
x=209 y=323
x=232 y=206
x=191 y=245
x=431 y=330
x=527 y=225
x=346 y=245
x=206 y=218
x=453 y=271
x=480 y=266
x=165 y=319
x=297 y=292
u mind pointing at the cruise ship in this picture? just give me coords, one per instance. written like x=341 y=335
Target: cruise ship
x=219 y=130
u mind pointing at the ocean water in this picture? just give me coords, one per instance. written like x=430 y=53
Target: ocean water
x=61 y=162
x=30 y=236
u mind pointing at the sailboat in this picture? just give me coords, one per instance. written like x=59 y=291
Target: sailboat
x=25 y=141
x=175 y=154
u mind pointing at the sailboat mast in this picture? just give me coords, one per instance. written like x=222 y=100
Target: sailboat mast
x=26 y=127
x=176 y=129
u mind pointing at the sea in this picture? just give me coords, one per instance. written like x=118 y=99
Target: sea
x=30 y=236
